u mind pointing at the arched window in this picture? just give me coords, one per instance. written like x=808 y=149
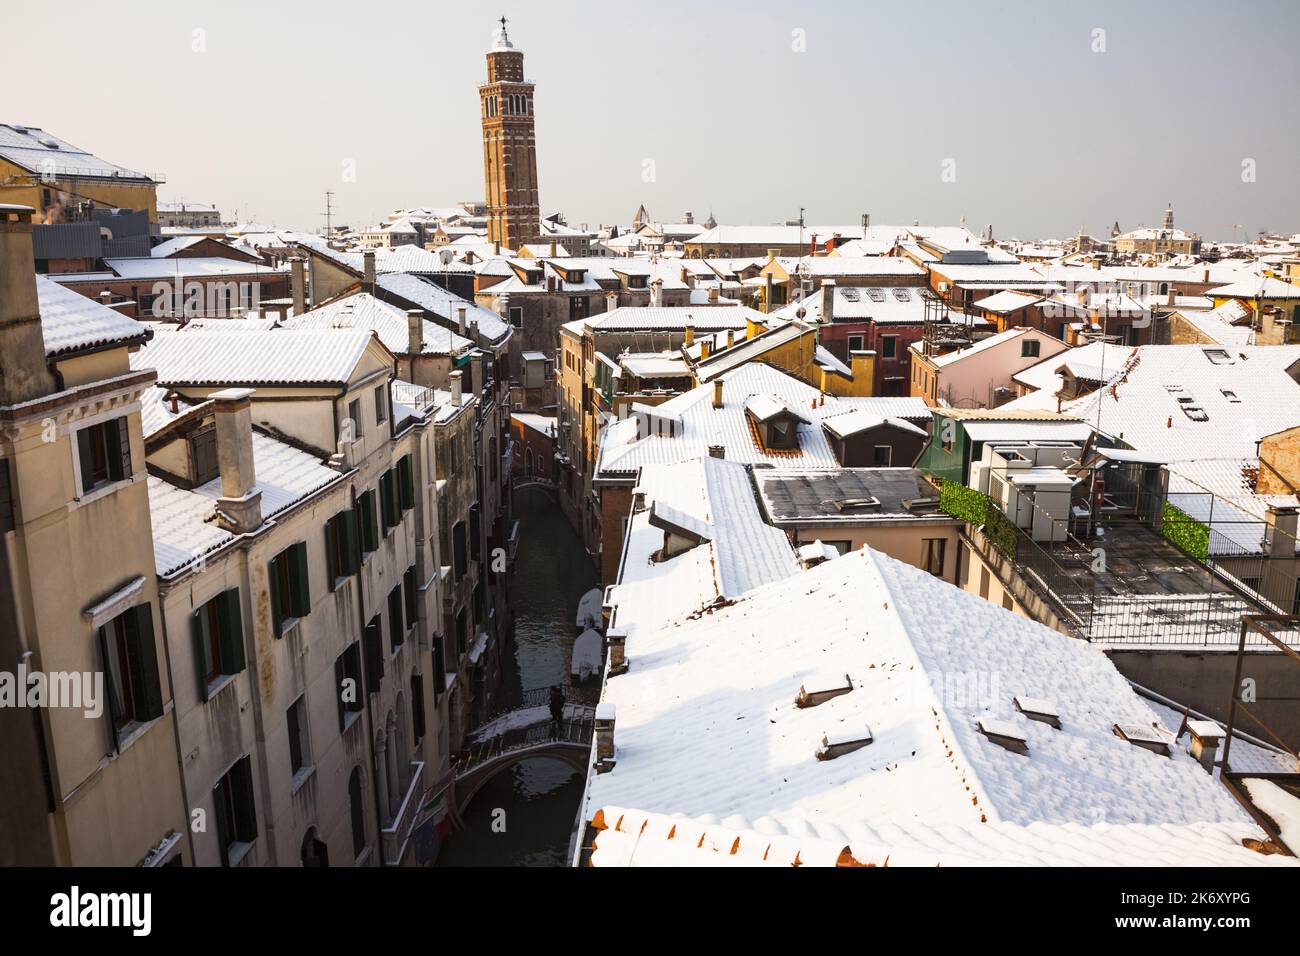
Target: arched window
x=314 y=851
x=358 y=813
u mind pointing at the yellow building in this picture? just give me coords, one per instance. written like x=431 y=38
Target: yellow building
x=61 y=182
x=1273 y=302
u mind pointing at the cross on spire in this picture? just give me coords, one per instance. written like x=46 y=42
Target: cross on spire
x=503 y=26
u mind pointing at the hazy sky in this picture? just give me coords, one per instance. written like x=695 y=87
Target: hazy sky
x=1045 y=134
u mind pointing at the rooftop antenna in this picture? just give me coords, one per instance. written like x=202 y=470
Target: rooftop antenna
x=329 y=210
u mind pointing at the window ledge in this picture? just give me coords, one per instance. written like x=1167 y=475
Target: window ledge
x=363 y=858
x=100 y=491
x=236 y=852
x=349 y=718
x=301 y=777
x=287 y=625
x=218 y=684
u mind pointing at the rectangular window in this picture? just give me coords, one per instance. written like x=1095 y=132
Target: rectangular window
x=459 y=557
x=104 y=454
x=396 y=617
x=342 y=556
x=381 y=404
x=439 y=667
x=517 y=316
x=6 y=498
x=347 y=678
x=130 y=658
x=372 y=640
x=299 y=752
x=236 y=811
x=474 y=532
x=881 y=456
x=203 y=449
x=462 y=631
x=217 y=629
x=411 y=592
x=406 y=483
x=1029 y=348
x=290 y=587
x=369 y=522
x=888 y=346
x=855 y=343
x=388 y=503
x=932 y=555
x=417 y=706
x=352 y=427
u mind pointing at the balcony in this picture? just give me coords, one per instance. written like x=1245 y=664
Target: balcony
x=397 y=834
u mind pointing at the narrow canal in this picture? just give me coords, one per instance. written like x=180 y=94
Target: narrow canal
x=539 y=797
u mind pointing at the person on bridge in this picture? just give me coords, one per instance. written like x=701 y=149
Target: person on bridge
x=557 y=711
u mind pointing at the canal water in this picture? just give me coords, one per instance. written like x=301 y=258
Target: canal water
x=539 y=797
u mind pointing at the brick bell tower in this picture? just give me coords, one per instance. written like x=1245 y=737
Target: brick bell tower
x=509 y=146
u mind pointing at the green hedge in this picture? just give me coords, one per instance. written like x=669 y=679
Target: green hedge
x=1186 y=532
x=1001 y=532
x=962 y=502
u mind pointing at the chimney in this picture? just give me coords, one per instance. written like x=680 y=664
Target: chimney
x=657 y=293
x=717 y=393
x=1206 y=735
x=767 y=292
x=611 y=301
x=414 y=334
x=690 y=336
x=552 y=248
x=496 y=247
x=828 y=301
x=106 y=298
x=866 y=224
x=617 y=637
x=460 y=321
x=704 y=349
x=240 y=503
x=1280 y=531
x=368 y=258
x=713 y=295
x=717 y=451
x=456 y=393
x=604 y=727
x=862 y=366
x=476 y=372
x=299 y=287
x=752 y=328
x=731 y=337
x=24 y=374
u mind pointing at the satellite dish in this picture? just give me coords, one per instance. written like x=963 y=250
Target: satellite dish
x=446 y=255
x=800 y=312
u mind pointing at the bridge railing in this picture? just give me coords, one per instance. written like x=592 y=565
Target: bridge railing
x=577 y=728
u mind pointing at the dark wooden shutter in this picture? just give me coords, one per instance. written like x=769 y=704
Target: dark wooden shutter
x=373 y=639
x=396 y=624
x=230 y=620
x=277 y=599
x=439 y=667
x=202 y=656
x=86 y=454
x=474 y=531
x=301 y=581
x=388 y=500
x=412 y=596
x=369 y=527
x=349 y=543
x=417 y=706
x=144 y=664
x=333 y=541
x=220 y=800
x=340 y=675
x=406 y=483
x=124 y=447
x=241 y=775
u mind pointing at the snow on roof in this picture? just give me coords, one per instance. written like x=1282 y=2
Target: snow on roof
x=637 y=838
x=1232 y=396
x=701 y=318
x=767 y=407
x=184 y=526
x=1220 y=493
x=655 y=364
x=365 y=312
x=837 y=266
x=543 y=424
x=151 y=267
x=279 y=357
x=725 y=358
x=927 y=660
x=437 y=300
x=1096 y=361
x=40 y=152
x=740 y=551
x=993 y=341
x=859 y=420
x=71 y=322
x=1008 y=300
x=702 y=425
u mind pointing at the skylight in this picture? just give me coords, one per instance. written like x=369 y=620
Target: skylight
x=1043 y=711
x=876 y=295
x=1218 y=356
x=1005 y=734
x=902 y=295
x=842 y=742
x=819 y=688
x=1145 y=737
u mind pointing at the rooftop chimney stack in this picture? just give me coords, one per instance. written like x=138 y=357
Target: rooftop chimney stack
x=24 y=374
x=457 y=395
x=713 y=295
x=690 y=336
x=553 y=252
x=460 y=321
x=767 y=293
x=604 y=731
x=866 y=224
x=617 y=638
x=415 y=334
x=611 y=301
x=731 y=337
x=657 y=293
x=828 y=301
x=368 y=258
x=299 y=287
x=717 y=393
x=240 y=502
x=106 y=298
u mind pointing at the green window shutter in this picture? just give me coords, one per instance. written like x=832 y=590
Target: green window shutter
x=277 y=599
x=350 y=545
x=369 y=525
x=86 y=456
x=230 y=619
x=340 y=675
x=332 y=543
x=373 y=642
x=417 y=706
x=387 y=505
x=144 y=664
x=202 y=659
x=245 y=806
x=396 y=623
x=406 y=483
x=301 y=597
x=124 y=446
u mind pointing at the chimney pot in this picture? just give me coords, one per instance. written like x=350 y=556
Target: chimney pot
x=368 y=259
x=457 y=394
x=240 y=502
x=24 y=374
x=704 y=349
x=604 y=729
x=460 y=320
x=617 y=638
x=415 y=334
x=106 y=297
x=299 y=287
x=690 y=336
x=717 y=393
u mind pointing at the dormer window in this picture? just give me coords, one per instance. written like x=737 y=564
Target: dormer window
x=775 y=424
